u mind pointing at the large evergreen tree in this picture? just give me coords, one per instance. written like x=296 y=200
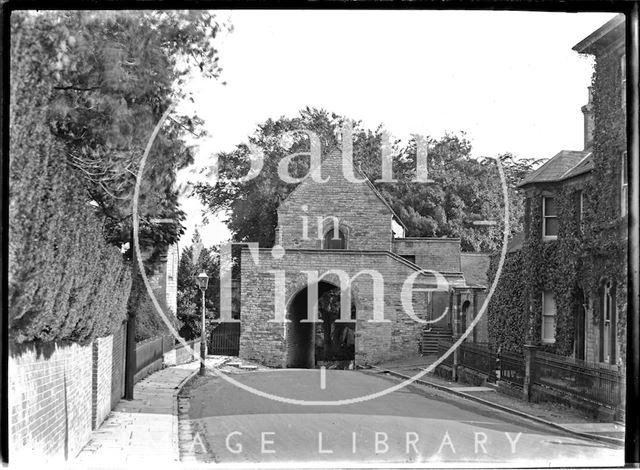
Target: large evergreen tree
x=103 y=80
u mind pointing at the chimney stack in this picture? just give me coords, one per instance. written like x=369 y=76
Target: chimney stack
x=587 y=111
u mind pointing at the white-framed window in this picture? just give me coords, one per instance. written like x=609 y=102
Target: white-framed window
x=548 y=317
x=549 y=218
x=624 y=185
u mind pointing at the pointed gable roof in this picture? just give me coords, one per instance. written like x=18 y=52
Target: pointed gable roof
x=331 y=158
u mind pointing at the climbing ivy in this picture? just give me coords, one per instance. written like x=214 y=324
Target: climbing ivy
x=591 y=245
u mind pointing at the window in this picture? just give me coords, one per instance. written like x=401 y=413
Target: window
x=549 y=218
x=548 y=317
x=411 y=258
x=335 y=241
x=624 y=186
x=607 y=353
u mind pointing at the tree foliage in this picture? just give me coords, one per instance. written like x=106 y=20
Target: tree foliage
x=65 y=281
x=100 y=82
x=464 y=189
x=194 y=260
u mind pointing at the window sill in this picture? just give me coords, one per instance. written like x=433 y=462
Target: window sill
x=549 y=238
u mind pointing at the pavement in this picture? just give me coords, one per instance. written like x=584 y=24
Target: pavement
x=549 y=413
x=162 y=428
x=226 y=424
x=143 y=430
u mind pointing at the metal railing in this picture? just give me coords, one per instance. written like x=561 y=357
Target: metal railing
x=601 y=383
x=511 y=368
x=225 y=340
x=479 y=358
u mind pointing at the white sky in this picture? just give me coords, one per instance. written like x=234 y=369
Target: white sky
x=510 y=80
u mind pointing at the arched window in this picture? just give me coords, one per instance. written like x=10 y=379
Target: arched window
x=335 y=241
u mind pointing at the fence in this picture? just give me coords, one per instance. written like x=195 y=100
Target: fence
x=149 y=355
x=225 y=339
x=600 y=383
x=479 y=358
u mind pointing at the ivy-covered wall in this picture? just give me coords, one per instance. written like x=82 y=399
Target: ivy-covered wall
x=588 y=249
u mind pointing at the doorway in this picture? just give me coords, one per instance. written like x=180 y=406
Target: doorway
x=314 y=344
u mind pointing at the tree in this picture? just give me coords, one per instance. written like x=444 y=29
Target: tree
x=106 y=77
x=464 y=189
x=194 y=260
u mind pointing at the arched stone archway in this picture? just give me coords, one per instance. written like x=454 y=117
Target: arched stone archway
x=306 y=340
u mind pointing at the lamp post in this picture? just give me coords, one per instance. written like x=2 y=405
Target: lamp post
x=203 y=280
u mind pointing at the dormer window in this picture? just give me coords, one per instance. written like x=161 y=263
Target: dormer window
x=549 y=219
x=335 y=240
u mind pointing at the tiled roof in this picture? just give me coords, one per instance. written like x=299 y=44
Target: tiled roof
x=556 y=168
x=584 y=166
x=603 y=37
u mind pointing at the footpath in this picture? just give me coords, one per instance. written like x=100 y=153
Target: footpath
x=143 y=430
x=552 y=414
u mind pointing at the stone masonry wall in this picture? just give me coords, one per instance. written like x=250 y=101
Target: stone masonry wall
x=440 y=254
x=362 y=216
x=263 y=341
x=475 y=267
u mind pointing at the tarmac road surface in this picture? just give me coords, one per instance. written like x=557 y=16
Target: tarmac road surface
x=221 y=422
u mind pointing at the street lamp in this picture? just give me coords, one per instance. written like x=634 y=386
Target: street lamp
x=202 y=281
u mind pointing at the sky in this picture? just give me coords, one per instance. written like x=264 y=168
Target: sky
x=509 y=80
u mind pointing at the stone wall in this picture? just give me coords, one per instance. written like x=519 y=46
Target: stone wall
x=362 y=216
x=475 y=266
x=439 y=254
x=264 y=341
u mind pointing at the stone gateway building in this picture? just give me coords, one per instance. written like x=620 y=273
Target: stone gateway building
x=341 y=257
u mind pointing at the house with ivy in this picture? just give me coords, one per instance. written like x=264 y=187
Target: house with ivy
x=563 y=287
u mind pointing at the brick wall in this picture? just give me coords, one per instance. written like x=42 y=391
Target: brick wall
x=439 y=254
x=50 y=402
x=117 y=365
x=101 y=380
x=363 y=217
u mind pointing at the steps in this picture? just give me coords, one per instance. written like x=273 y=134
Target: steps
x=430 y=338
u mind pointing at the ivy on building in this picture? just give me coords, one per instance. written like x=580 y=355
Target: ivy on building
x=591 y=244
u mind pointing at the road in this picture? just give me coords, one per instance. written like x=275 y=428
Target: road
x=223 y=423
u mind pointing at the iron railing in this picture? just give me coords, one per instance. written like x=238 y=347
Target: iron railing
x=479 y=358
x=511 y=368
x=601 y=383
x=225 y=340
